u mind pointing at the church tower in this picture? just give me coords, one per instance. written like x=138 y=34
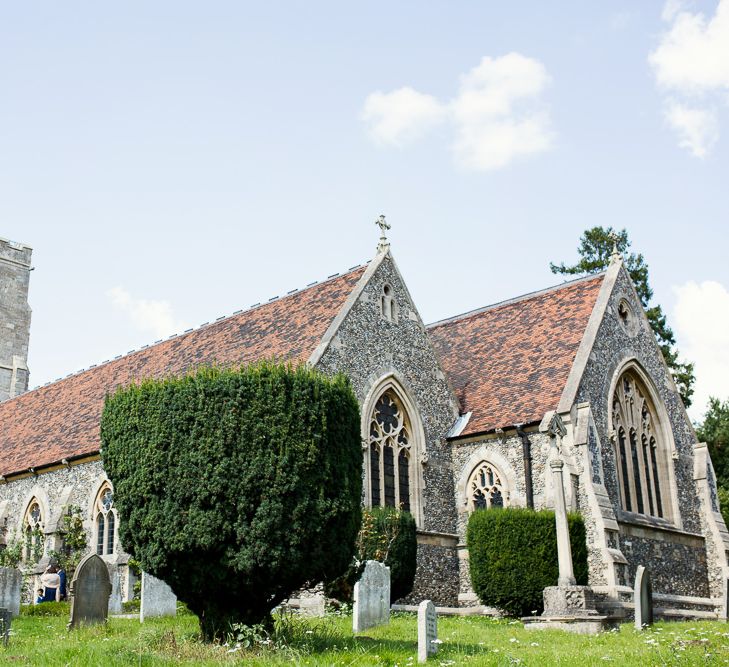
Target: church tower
x=14 y=318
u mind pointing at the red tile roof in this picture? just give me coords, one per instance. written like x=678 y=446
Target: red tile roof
x=509 y=363
x=61 y=420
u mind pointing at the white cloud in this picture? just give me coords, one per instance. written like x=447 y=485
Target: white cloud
x=701 y=319
x=145 y=314
x=497 y=115
x=697 y=129
x=490 y=133
x=402 y=116
x=692 y=60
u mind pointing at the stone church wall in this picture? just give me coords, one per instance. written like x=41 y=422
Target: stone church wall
x=680 y=567
x=366 y=348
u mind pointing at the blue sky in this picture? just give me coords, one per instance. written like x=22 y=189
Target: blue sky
x=171 y=162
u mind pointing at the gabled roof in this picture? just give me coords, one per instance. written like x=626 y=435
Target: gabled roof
x=61 y=420
x=508 y=363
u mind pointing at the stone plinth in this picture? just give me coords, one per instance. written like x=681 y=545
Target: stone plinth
x=570 y=608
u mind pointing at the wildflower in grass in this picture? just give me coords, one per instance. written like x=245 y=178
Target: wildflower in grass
x=534 y=644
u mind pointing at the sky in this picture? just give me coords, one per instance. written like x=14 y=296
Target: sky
x=172 y=162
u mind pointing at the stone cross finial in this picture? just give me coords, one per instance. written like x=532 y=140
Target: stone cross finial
x=614 y=237
x=384 y=244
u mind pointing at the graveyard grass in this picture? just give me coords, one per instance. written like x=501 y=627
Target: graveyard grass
x=44 y=640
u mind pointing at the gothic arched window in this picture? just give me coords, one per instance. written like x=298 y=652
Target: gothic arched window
x=105 y=521
x=639 y=453
x=389 y=454
x=484 y=488
x=33 y=532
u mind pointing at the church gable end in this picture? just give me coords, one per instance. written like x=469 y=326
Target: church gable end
x=380 y=343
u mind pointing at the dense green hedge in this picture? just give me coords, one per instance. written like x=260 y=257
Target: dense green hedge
x=46 y=609
x=236 y=486
x=513 y=556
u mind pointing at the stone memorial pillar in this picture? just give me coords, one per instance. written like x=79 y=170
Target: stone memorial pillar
x=427 y=630
x=564 y=548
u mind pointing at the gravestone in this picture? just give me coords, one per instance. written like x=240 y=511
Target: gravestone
x=157 y=598
x=90 y=591
x=372 y=597
x=11 y=581
x=6 y=617
x=427 y=630
x=115 y=599
x=314 y=606
x=643 y=598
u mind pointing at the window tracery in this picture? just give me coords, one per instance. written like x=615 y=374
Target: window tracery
x=389 y=455
x=484 y=488
x=105 y=521
x=639 y=453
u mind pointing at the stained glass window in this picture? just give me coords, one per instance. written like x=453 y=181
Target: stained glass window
x=389 y=453
x=639 y=460
x=105 y=521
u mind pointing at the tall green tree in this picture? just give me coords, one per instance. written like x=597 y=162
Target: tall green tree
x=714 y=431
x=595 y=250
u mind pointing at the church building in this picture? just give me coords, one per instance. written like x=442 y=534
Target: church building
x=461 y=414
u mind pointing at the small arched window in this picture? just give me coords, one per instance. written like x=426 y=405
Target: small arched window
x=105 y=521
x=33 y=532
x=639 y=453
x=484 y=488
x=388 y=305
x=389 y=454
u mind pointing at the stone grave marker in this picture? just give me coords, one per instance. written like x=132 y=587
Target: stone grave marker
x=6 y=617
x=372 y=597
x=157 y=598
x=11 y=581
x=115 y=599
x=427 y=630
x=314 y=606
x=643 y=598
x=90 y=591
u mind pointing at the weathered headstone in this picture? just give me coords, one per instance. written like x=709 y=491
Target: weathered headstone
x=372 y=597
x=314 y=606
x=157 y=598
x=643 y=598
x=90 y=591
x=11 y=581
x=115 y=599
x=427 y=630
x=6 y=617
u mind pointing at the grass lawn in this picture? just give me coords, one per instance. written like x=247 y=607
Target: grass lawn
x=44 y=640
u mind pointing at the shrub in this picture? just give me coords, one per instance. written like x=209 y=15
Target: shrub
x=513 y=556
x=236 y=486
x=46 y=609
x=386 y=535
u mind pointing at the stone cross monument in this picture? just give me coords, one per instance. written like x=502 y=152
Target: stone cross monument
x=384 y=244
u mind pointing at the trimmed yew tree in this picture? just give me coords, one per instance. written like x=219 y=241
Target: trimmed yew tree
x=237 y=487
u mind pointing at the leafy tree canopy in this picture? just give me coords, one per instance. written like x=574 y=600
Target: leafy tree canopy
x=595 y=250
x=715 y=433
